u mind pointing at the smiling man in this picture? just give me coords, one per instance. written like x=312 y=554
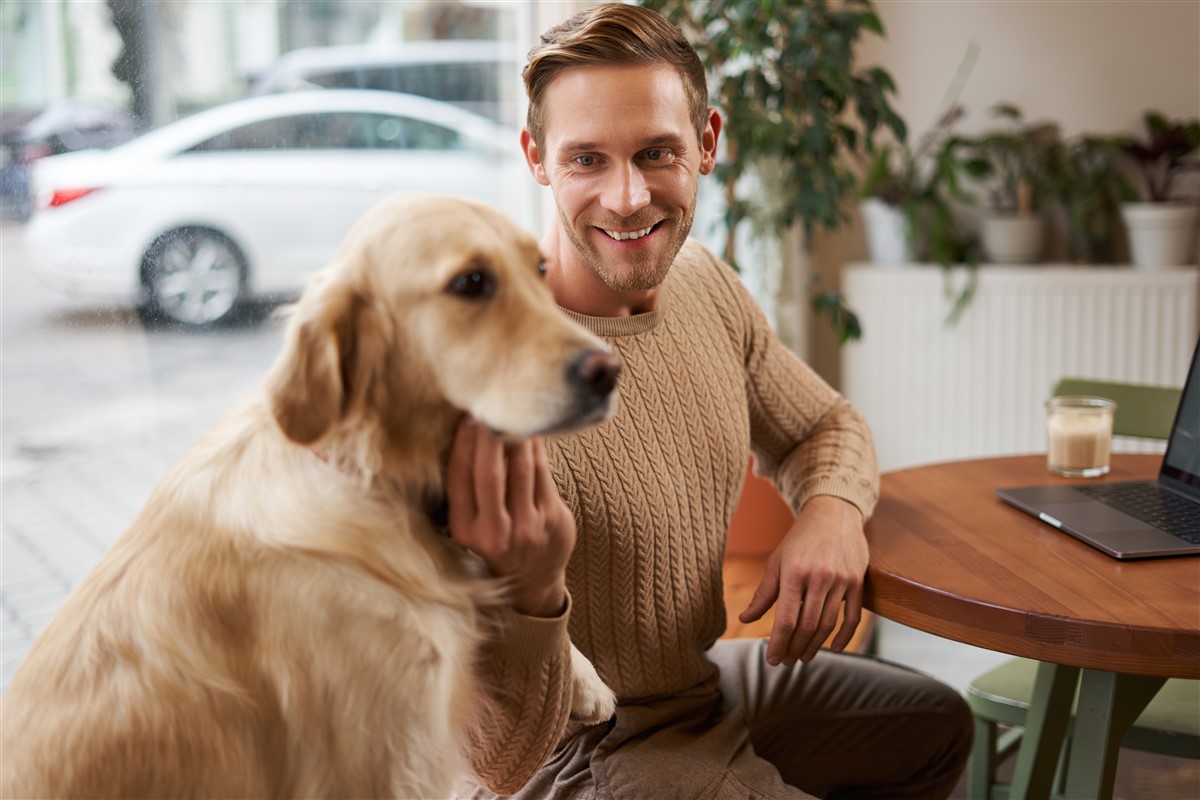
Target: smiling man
x=624 y=175
x=613 y=539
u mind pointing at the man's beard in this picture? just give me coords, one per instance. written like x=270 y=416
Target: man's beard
x=647 y=272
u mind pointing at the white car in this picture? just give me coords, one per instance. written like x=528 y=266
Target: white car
x=248 y=199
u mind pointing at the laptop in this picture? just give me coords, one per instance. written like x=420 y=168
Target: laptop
x=1134 y=519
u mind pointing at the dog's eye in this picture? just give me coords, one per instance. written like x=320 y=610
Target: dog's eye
x=474 y=284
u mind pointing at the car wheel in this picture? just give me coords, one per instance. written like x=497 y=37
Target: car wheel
x=194 y=277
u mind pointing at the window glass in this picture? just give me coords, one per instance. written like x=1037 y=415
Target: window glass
x=142 y=305
x=343 y=131
x=340 y=79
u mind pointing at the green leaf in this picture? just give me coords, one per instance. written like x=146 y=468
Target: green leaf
x=871 y=22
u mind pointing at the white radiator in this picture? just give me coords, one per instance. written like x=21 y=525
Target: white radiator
x=933 y=393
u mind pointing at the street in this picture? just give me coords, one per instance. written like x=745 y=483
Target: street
x=94 y=409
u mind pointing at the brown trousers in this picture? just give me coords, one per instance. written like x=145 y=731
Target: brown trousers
x=840 y=726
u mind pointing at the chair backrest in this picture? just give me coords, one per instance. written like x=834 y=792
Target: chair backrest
x=1142 y=410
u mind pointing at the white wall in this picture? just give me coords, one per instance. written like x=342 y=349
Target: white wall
x=1091 y=65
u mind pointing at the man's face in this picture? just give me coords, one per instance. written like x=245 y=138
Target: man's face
x=622 y=158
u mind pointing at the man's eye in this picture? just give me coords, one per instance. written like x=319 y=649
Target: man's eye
x=474 y=284
x=542 y=268
x=657 y=154
x=585 y=161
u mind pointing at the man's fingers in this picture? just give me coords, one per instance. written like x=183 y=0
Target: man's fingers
x=545 y=492
x=850 y=620
x=823 y=624
x=787 y=616
x=521 y=478
x=491 y=485
x=460 y=480
x=764 y=595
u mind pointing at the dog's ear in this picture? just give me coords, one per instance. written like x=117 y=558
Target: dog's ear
x=306 y=388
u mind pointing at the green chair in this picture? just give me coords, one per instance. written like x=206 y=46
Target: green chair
x=1170 y=724
x=1142 y=411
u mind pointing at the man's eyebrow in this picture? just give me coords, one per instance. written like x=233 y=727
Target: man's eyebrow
x=665 y=139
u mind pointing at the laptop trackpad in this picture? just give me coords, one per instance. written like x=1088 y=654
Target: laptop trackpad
x=1091 y=517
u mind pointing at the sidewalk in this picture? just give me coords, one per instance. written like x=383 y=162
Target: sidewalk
x=58 y=520
x=95 y=410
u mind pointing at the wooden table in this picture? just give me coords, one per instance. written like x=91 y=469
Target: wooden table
x=950 y=558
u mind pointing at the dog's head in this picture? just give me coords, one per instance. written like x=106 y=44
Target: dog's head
x=435 y=306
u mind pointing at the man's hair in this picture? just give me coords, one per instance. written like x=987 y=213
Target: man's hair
x=607 y=34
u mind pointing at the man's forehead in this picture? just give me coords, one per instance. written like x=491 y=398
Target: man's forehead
x=584 y=107
x=620 y=78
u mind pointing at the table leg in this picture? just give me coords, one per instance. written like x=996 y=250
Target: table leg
x=1108 y=704
x=1045 y=726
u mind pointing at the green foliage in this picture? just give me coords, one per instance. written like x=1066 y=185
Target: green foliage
x=1164 y=153
x=793 y=102
x=1014 y=158
x=1082 y=176
x=784 y=78
x=924 y=182
x=832 y=304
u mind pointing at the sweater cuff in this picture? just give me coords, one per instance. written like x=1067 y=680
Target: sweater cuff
x=858 y=494
x=530 y=640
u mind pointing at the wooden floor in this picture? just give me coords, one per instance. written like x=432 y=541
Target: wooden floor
x=1140 y=776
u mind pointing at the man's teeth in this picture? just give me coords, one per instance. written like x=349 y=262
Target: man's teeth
x=621 y=237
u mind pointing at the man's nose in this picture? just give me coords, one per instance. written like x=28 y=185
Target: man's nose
x=625 y=190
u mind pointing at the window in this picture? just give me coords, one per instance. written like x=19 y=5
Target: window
x=98 y=404
x=340 y=131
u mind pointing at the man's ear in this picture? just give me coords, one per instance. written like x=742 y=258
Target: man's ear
x=533 y=158
x=708 y=142
x=306 y=388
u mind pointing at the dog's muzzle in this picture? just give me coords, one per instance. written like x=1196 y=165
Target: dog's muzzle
x=593 y=378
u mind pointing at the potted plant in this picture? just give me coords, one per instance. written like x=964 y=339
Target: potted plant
x=795 y=105
x=909 y=191
x=908 y=204
x=1084 y=182
x=1013 y=159
x=1162 y=230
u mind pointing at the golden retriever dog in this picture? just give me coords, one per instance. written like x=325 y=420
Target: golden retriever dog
x=284 y=618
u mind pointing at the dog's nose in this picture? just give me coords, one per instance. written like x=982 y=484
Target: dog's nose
x=595 y=371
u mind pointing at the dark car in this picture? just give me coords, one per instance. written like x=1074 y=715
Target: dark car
x=61 y=127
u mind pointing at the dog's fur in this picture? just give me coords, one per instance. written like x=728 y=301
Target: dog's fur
x=283 y=618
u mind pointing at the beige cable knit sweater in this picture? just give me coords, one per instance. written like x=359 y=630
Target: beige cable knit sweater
x=705 y=382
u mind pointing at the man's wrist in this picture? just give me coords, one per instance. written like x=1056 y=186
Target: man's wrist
x=833 y=502
x=543 y=602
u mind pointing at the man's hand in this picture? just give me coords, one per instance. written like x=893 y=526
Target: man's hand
x=819 y=565
x=505 y=507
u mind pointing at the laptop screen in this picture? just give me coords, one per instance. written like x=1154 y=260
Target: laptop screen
x=1181 y=464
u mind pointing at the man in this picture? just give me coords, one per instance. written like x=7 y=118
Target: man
x=614 y=538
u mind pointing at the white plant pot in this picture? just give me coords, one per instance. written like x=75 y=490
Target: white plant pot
x=1012 y=238
x=1160 y=234
x=886 y=239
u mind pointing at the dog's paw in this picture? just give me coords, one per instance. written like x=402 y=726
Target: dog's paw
x=591 y=699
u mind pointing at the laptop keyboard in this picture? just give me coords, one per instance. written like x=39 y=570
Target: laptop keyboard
x=1152 y=504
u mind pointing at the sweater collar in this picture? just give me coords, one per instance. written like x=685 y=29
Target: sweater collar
x=618 y=326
